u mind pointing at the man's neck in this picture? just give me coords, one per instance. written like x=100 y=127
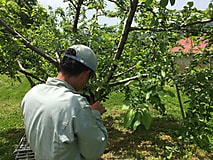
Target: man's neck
x=73 y=81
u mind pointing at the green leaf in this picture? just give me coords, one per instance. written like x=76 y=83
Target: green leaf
x=148 y=95
x=129 y=117
x=170 y=93
x=146 y=119
x=126 y=105
x=137 y=121
x=148 y=2
x=190 y=4
x=163 y=3
x=163 y=73
x=163 y=47
x=210 y=6
x=172 y=2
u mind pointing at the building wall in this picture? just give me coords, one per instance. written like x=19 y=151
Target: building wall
x=184 y=62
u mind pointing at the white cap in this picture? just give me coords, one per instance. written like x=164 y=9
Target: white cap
x=86 y=56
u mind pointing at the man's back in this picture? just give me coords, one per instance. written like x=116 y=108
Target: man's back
x=59 y=123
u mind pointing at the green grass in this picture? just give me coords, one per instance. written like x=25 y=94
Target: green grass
x=11 y=123
x=160 y=142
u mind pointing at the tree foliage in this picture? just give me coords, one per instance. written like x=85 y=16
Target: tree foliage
x=133 y=54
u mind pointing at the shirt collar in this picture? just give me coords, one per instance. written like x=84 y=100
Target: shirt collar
x=60 y=83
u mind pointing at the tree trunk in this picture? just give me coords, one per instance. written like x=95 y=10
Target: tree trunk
x=124 y=37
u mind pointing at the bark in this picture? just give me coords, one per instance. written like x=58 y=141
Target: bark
x=124 y=37
x=77 y=15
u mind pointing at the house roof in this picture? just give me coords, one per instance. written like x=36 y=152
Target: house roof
x=187 y=45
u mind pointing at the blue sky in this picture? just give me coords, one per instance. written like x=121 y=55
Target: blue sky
x=200 y=4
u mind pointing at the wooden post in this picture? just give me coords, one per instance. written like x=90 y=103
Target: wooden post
x=179 y=99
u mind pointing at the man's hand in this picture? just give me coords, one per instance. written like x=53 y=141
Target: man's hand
x=98 y=106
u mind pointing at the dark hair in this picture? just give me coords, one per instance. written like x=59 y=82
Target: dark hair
x=70 y=66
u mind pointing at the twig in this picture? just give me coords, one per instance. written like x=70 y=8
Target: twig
x=57 y=57
x=127 y=80
x=124 y=72
x=95 y=20
x=120 y=6
x=73 y=4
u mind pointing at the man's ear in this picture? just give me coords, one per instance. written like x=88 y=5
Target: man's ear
x=86 y=75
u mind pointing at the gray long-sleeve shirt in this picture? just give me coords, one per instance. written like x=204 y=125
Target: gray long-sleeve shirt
x=60 y=124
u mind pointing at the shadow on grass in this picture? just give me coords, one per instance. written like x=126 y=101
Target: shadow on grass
x=157 y=143
x=160 y=141
x=9 y=140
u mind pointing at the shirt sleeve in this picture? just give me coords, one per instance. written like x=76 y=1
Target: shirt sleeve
x=90 y=131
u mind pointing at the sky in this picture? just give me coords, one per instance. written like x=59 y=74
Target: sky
x=199 y=4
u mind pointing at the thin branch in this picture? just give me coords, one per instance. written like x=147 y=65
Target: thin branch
x=73 y=4
x=95 y=20
x=124 y=72
x=146 y=29
x=197 y=22
x=120 y=6
x=77 y=15
x=22 y=70
x=57 y=57
x=181 y=27
x=149 y=9
x=30 y=80
x=28 y=44
x=127 y=80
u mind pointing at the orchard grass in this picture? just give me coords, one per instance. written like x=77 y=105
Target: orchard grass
x=160 y=142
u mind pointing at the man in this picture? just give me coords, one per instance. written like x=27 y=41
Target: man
x=59 y=122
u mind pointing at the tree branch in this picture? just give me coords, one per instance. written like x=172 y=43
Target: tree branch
x=77 y=15
x=124 y=37
x=181 y=27
x=127 y=80
x=116 y=76
x=73 y=4
x=120 y=6
x=22 y=70
x=197 y=22
x=28 y=44
x=95 y=20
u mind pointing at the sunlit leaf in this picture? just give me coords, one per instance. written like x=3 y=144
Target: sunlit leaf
x=129 y=117
x=163 y=73
x=126 y=105
x=137 y=121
